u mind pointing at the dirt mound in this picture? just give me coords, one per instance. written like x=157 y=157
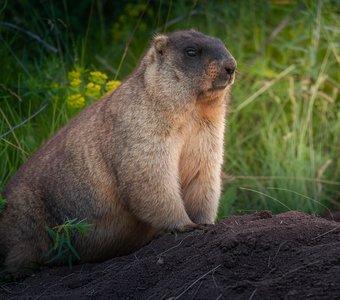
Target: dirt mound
x=288 y=256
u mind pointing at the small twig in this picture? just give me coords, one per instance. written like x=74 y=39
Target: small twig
x=53 y=285
x=198 y=288
x=215 y=283
x=278 y=29
x=197 y=280
x=129 y=40
x=23 y=122
x=264 y=88
x=263 y=194
x=30 y=34
x=15 y=146
x=329 y=231
x=277 y=252
x=167 y=250
x=9 y=291
x=178 y=19
x=299 y=268
x=252 y=294
x=105 y=64
x=230 y=178
x=14 y=135
x=11 y=92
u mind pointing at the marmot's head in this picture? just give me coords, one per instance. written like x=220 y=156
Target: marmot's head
x=189 y=64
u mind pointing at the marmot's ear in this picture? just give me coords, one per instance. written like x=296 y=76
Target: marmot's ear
x=160 y=42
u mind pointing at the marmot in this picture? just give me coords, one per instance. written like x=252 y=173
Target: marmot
x=144 y=159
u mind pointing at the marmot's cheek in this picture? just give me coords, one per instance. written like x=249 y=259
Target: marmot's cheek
x=205 y=84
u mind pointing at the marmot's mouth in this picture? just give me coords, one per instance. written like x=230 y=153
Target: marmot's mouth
x=218 y=85
x=217 y=88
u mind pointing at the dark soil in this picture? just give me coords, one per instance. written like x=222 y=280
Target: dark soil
x=288 y=256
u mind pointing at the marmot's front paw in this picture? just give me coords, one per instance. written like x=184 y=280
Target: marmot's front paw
x=190 y=227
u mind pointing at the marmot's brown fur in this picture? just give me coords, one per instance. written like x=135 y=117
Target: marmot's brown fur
x=146 y=158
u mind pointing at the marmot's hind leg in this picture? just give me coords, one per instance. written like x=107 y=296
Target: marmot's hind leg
x=23 y=235
x=24 y=257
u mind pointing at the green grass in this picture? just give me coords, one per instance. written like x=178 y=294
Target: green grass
x=2 y=203
x=62 y=235
x=282 y=140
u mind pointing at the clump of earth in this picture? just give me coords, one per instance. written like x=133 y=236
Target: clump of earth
x=260 y=256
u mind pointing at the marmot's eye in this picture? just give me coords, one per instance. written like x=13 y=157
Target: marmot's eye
x=191 y=52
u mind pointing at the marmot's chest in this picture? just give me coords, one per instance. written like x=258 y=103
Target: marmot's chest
x=202 y=146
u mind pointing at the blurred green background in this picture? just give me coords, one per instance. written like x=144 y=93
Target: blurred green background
x=283 y=132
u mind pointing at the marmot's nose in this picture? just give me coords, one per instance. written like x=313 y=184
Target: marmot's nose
x=230 y=65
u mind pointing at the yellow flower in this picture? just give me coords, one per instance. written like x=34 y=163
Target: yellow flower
x=73 y=75
x=98 y=77
x=112 y=85
x=93 y=89
x=76 y=82
x=76 y=101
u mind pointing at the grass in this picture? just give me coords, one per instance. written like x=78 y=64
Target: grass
x=2 y=203
x=282 y=140
x=62 y=235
